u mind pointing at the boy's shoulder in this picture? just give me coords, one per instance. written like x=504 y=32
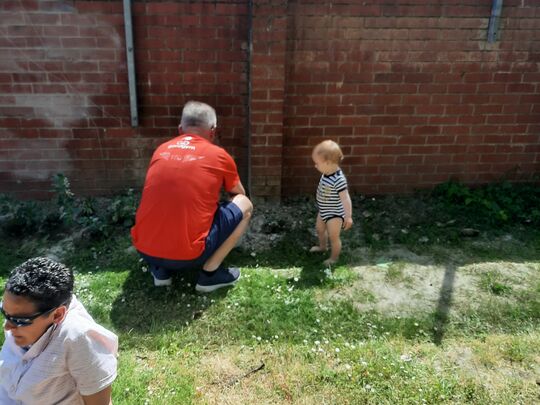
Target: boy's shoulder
x=337 y=174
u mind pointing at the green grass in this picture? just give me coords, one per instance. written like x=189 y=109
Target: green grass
x=304 y=322
x=494 y=283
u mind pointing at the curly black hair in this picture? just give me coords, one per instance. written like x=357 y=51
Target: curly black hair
x=43 y=281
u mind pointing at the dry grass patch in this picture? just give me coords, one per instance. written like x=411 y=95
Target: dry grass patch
x=403 y=283
x=228 y=377
x=501 y=364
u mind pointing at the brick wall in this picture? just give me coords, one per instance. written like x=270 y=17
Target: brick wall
x=64 y=98
x=267 y=95
x=411 y=89
x=413 y=92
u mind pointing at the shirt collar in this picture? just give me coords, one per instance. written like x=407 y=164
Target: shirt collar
x=41 y=344
x=198 y=137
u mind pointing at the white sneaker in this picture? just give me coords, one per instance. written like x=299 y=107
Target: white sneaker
x=162 y=283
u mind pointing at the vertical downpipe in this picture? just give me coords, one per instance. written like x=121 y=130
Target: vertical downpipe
x=493 y=29
x=130 y=52
x=249 y=90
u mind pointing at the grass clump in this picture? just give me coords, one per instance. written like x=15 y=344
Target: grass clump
x=494 y=283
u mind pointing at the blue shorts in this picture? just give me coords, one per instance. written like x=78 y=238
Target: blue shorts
x=226 y=220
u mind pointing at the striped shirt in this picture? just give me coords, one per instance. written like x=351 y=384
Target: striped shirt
x=328 y=201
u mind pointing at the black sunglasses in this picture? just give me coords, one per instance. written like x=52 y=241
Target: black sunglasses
x=19 y=321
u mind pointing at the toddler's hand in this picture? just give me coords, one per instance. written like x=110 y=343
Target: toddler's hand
x=347 y=223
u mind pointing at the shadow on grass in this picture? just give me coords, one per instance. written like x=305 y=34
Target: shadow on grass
x=14 y=252
x=444 y=304
x=145 y=309
x=291 y=252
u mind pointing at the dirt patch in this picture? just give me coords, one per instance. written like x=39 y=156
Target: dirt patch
x=400 y=282
x=272 y=221
x=420 y=292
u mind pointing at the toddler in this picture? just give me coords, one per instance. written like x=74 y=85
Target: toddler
x=333 y=200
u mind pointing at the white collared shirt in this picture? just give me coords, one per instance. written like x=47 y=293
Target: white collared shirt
x=78 y=357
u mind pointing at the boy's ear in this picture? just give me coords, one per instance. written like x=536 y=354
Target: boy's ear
x=59 y=314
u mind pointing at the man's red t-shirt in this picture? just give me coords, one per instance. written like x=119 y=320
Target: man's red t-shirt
x=180 y=196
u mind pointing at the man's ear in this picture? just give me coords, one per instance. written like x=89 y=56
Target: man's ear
x=59 y=314
x=213 y=133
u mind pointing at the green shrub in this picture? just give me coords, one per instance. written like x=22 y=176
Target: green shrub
x=121 y=210
x=495 y=203
x=66 y=212
x=23 y=218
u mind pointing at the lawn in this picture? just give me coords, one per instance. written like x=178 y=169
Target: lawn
x=433 y=301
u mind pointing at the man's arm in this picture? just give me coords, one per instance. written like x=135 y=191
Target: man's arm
x=238 y=189
x=347 y=205
x=102 y=397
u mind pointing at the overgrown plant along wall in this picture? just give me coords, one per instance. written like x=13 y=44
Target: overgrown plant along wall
x=411 y=89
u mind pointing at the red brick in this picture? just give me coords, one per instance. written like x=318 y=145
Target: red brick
x=367 y=130
x=413 y=120
x=382 y=140
x=498 y=138
x=520 y=88
x=520 y=109
x=445 y=99
x=426 y=130
x=472 y=119
x=370 y=110
x=430 y=109
x=501 y=119
x=412 y=140
x=444 y=119
x=456 y=130
x=459 y=109
x=397 y=131
x=462 y=88
x=420 y=99
x=385 y=120
x=491 y=88
x=507 y=77
x=526 y=138
x=493 y=158
x=388 y=78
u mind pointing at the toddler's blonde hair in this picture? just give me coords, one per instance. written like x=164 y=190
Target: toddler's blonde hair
x=329 y=151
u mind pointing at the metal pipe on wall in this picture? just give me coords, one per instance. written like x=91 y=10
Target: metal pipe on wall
x=249 y=90
x=493 y=29
x=130 y=56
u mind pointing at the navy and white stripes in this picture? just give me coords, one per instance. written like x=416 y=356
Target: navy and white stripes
x=328 y=200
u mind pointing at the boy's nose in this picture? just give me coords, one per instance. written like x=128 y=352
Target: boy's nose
x=8 y=325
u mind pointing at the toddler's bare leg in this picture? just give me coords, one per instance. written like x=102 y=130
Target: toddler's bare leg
x=320 y=226
x=334 y=229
